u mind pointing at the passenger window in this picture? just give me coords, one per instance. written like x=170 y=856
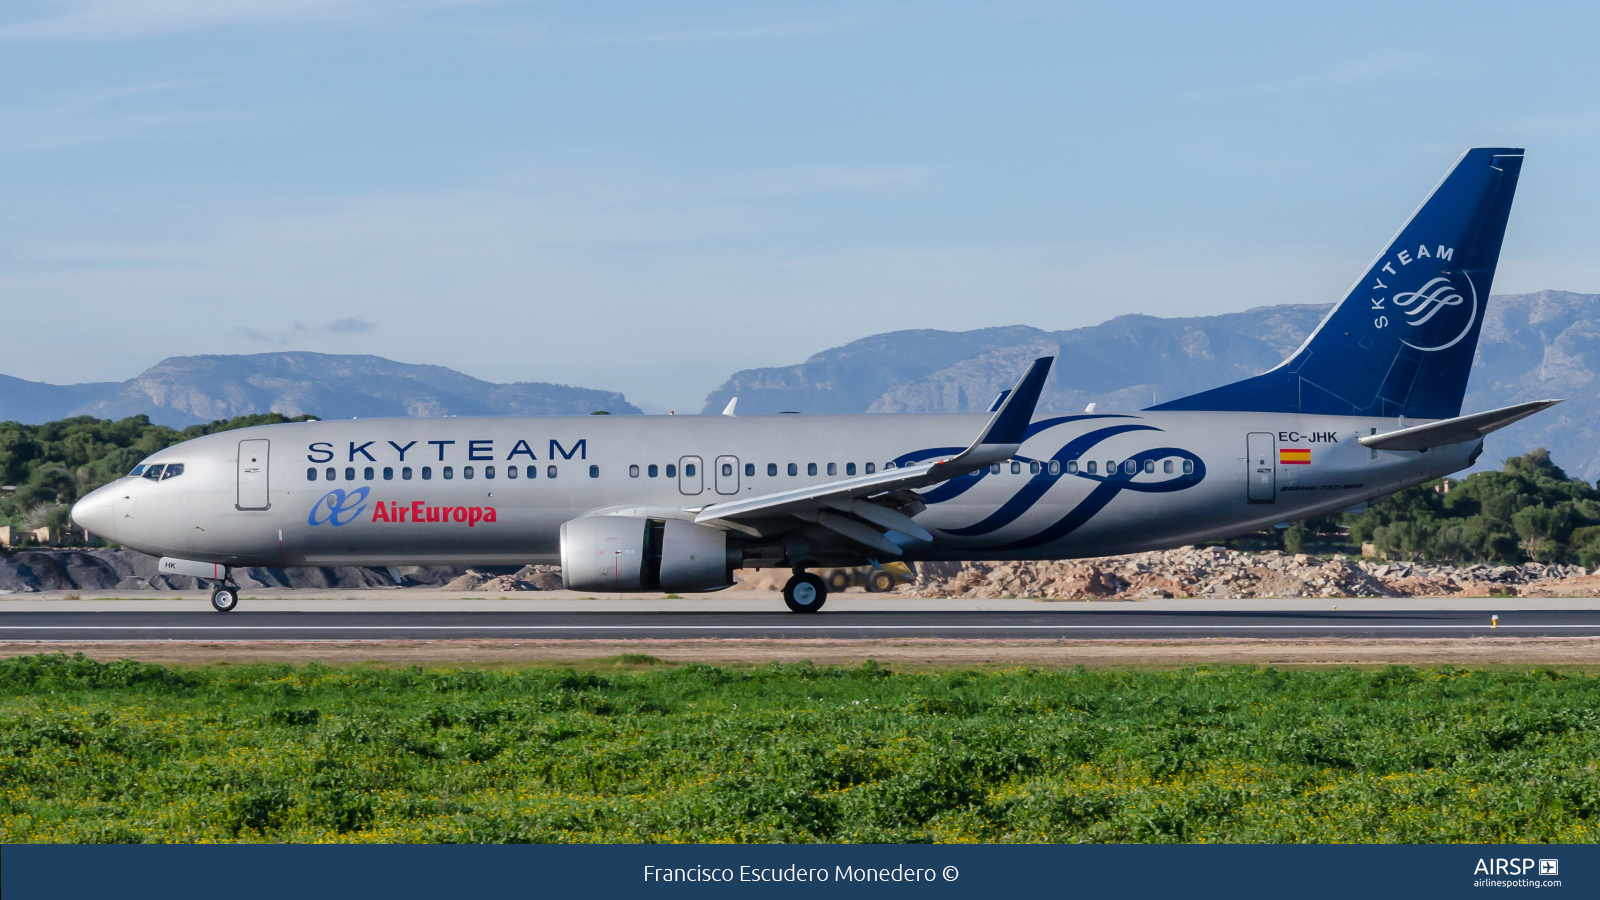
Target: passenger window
x=727 y=470
x=888 y=465
x=672 y=471
x=793 y=469
x=1072 y=467
x=1130 y=466
x=594 y=471
x=388 y=473
x=994 y=469
x=511 y=471
x=1092 y=469
x=154 y=472
x=1033 y=467
x=749 y=469
x=311 y=473
x=633 y=471
x=427 y=473
x=488 y=471
x=350 y=473
x=688 y=470
x=368 y=474
x=1016 y=467
x=1149 y=466
x=173 y=471
x=533 y=471
x=772 y=468
x=405 y=473
x=1055 y=467
x=466 y=472
x=331 y=474
x=849 y=468
x=811 y=468
x=871 y=467
x=550 y=472
x=449 y=472
x=652 y=471
x=833 y=468
x=1188 y=467
x=1166 y=467
x=1111 y=467
x=139 y=470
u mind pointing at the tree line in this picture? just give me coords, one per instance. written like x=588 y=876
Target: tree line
x=50 y=466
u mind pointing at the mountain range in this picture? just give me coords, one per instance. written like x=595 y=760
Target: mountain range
x=185 y=390
x=1533 y=346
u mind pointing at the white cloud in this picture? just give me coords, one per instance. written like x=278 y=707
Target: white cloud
x=1353 y=72
x=94 y=21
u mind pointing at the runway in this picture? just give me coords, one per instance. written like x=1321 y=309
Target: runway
x=1059 y=622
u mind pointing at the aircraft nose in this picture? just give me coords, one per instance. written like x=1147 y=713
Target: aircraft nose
x=93 y=513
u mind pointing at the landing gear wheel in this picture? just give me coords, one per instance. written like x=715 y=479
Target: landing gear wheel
x=805 y=593
x=838 y=580
x=881 y=581
x=224 y=598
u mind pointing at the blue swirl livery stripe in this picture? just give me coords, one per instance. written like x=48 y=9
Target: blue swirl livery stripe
x=1110 y=486
x=1036 y=487
x=955 y=487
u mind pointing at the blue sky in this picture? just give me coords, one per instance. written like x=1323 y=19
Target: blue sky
x=647 y=197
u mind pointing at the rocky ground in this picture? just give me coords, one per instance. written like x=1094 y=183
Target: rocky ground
x=1218 y=573
x=1187 y=572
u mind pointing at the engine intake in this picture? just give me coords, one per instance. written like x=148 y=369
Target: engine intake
x=632 y=553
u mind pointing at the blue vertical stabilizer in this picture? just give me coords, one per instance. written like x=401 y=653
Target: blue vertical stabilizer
x=1401 y=342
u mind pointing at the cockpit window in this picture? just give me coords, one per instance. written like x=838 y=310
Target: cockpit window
x=173 y=471
x=137 y=471
x=154 y=472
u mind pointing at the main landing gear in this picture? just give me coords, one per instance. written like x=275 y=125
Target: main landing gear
x=225 y=595
x=805 y=593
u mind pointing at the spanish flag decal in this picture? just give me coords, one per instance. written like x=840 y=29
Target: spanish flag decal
x=1290 y=456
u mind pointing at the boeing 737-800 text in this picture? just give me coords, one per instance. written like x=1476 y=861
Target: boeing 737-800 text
x=1370 y=403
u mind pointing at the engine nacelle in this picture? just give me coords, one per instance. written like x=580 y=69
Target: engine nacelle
x=632 y=553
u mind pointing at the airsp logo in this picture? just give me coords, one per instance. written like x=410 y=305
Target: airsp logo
x=1440 y=300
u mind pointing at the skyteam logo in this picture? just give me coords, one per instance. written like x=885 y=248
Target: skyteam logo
x=1438 y=313
x=338 y=507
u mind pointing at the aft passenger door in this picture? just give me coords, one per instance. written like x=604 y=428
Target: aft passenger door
x=727 y=478
x=252 y=487
x=691 y=480
x=1263 y=466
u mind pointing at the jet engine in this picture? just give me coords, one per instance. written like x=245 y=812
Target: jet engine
x=633 y=553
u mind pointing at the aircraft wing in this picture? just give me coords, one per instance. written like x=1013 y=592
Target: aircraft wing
x=845 y=507
x=1454 y=431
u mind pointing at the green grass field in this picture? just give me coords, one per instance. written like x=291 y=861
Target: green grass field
x=135 y=752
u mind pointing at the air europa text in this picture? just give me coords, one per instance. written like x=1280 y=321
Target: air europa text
x=420 y=513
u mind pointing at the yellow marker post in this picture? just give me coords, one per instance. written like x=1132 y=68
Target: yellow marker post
x=1494 y=621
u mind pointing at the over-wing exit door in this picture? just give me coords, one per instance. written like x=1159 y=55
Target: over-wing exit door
x=1263 y=463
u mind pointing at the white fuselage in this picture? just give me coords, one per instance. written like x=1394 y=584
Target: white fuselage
x=337 y=493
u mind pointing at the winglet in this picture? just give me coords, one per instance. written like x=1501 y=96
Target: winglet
x=1010 y=422
x=728 y=410
x=1006 y=429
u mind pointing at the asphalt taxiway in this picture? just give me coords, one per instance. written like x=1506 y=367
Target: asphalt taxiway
x=137 y=621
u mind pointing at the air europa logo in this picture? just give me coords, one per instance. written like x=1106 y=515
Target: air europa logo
x=339 y=508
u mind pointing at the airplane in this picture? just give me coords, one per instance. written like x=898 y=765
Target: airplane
x=1370 y=403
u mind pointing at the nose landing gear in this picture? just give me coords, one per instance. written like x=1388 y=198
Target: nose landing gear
x=805 y=593
x=225 y=595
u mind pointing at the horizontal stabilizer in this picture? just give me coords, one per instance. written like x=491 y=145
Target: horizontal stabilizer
x=1454 y=431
